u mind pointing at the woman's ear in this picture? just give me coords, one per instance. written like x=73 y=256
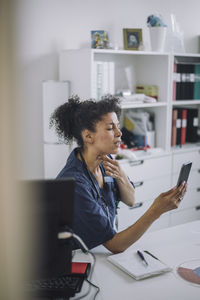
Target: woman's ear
x=87 y=136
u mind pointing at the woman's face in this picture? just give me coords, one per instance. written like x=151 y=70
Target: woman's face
x=107 y=137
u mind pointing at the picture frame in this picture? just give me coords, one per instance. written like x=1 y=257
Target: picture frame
x=99 y=39
x=132 y=38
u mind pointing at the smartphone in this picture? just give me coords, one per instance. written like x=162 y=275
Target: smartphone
x=184 y=173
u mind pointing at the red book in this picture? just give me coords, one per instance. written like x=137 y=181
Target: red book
x=174 y=82
x=79 y=267
x=183 y=126
x=174 y=119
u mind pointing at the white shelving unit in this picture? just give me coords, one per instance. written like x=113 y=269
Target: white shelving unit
x=78 y=67
x=151 y=68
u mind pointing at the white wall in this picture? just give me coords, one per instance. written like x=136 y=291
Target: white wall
x=44 y=27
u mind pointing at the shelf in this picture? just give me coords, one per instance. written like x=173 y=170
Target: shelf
x=185 y=102
x=132 y=52
x=141 y=154
x=142 y=105
x=129 y=52
x=187 y=54
x=185 y=148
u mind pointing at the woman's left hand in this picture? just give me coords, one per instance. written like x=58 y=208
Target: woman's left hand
x=113 y=168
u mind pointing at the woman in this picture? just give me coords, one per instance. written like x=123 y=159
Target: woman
x=100 y=181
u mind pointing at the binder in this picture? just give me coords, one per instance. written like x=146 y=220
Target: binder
x=174 y=118
x=178 y=82
x=192 y=125
x=188 y=85
x=104 y=79
x=174 y=82
x=183 y=126
x=185 y=84
x=197 y=82
x=111 y=77
x=178 y=126
x=184 y=79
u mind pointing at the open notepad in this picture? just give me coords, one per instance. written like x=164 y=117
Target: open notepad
x=132 y=264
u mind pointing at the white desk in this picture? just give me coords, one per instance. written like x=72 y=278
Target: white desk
x=173 y=245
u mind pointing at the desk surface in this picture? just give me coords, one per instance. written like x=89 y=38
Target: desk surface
x=173 y=245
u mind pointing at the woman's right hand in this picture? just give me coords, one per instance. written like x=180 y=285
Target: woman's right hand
x=169 y=200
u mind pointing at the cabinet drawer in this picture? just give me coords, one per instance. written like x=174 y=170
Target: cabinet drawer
x=184 y=216
x=149 y=189
x=193 y=180
x=191 y=199
x=162 y=222
x=181 y=158
x=140 y=170
x=128 y=216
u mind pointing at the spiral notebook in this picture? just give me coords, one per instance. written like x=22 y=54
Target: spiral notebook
x=133 y=265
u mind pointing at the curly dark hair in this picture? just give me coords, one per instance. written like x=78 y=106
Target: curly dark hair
x=71 y=118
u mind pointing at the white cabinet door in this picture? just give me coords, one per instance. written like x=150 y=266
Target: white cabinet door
x=181 y=158
x=149 y=189
x=191 y=199
x=184 y=216
x=162 y=222
x=187 y=210
x=151 y=177
x=54 y=94
x=140 y=170
x=128 y=216
x=193 y=180
x=55 y=157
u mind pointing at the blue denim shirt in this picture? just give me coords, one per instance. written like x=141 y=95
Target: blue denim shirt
x=91 y=221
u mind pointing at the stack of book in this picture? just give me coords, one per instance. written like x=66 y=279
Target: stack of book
x=184 y=126
x=148 y=90
x=186 y=83
x=104 y=79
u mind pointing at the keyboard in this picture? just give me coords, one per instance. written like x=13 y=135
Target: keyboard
x=56 y=287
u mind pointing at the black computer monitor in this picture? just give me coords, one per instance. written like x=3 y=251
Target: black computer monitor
x=49 y=208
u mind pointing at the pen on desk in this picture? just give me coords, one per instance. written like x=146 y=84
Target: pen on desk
x=142 y=257
x=151 y=254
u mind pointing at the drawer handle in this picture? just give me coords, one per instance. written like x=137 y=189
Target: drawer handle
x=136 y=205
x=197 y=207
x=198 y=189
x=198 y=170
x=138 y=184
x=136 y=163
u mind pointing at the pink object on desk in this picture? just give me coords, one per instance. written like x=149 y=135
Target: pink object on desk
x=189 y=275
